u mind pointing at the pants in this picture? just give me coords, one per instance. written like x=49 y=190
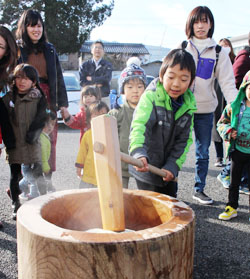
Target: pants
x=219 y=149
x=125 y=181
x=33 y=176
x=170 y=188
x=203 y=124
x=15 y=176
x=239 y=160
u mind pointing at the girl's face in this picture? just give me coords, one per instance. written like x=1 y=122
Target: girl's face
x=248 y=95
x=3 y=47
x=176 y=81
x=201 y=27
x=88 y=99
x=133 y=89
x=23 y=84
x=35 y=32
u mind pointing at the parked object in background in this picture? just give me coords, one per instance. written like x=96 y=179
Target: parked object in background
x=74 y=94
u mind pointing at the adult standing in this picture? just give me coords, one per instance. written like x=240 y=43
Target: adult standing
x=38 y=52
x=8 y=59
x=209 y=65
x=97 y=70
x=218 y=141
x=242 y=64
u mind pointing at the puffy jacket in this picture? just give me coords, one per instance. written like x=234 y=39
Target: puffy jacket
x=124 y=116
x=232 y=114
x=159 y=134
x=27 y=117
x=100 y=75
x=241 y=65
x=203 y=85
x=58 y=93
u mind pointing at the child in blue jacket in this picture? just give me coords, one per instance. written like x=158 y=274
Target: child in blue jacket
x=161 y=130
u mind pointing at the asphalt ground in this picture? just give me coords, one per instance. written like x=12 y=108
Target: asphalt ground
x=222 y=249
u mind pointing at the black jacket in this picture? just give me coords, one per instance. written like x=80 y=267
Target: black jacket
x=100 y=75
x=58 y=93
x=5 y=125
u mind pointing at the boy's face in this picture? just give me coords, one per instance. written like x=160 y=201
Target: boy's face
x=248 y=92
x=133 y=89
x=176 y=81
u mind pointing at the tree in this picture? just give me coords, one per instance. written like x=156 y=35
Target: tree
x=68 y=22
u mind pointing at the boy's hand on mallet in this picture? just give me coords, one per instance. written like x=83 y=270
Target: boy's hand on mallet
x=145 y=164
x=169 y=176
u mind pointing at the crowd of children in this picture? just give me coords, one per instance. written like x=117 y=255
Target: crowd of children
x=154 y=124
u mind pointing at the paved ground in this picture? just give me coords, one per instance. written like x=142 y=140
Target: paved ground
x=222 y=249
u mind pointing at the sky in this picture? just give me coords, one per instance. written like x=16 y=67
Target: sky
x=162 y=22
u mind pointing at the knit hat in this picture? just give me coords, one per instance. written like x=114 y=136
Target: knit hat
x=246 y=80
x=131 y=72
x=133 y=60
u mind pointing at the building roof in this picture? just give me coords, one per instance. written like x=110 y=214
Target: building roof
x=117 y=48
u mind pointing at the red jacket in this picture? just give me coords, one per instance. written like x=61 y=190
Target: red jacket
x=78 y=122
x=241 y=65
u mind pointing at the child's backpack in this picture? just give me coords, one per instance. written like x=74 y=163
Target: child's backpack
x=217 y=50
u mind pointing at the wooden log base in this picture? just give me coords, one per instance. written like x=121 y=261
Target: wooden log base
x=53 y=242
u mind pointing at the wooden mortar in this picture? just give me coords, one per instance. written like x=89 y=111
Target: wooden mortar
x=52 y=242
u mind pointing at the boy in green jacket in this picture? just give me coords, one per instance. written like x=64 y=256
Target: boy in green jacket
x=161 y=130
x=132 y=83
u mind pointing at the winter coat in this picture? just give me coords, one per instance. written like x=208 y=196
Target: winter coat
x=7 y=132
x=241 y=65
x=100 y=75
x=159 y=134
x=124 y=116
x=58 y=93
x=78 y=122
x=27 y=117
x=85 y=159
x=232 y=115
x=203 y=85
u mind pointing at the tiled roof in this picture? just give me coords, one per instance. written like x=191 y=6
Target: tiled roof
x=117 y=48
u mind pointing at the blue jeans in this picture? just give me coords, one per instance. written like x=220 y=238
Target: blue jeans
x=203 y=124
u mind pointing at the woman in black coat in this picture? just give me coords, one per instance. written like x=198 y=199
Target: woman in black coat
x=8 y=59
x=36 y=51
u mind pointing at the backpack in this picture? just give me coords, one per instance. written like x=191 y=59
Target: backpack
x=217 y=50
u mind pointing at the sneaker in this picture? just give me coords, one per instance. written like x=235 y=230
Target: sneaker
x=31 y=197
x=228 y=214
x=219 y=163
x=51 y=189
x=225 y=180
x=244 y=190
x=17 y=204
x=23 y=197
x=202 y=198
